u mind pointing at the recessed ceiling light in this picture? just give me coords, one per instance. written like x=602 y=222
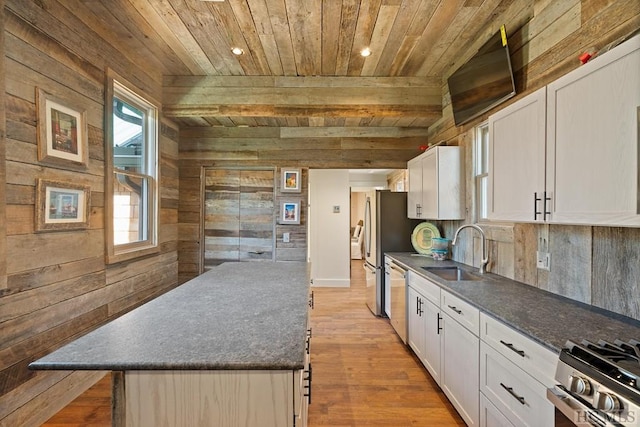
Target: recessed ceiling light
x=365 y=52
x=237 y=51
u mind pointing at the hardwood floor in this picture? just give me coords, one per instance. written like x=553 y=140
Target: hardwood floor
x=363 y=375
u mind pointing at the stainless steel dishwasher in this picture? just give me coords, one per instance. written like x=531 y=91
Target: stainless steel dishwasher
x=395 y=276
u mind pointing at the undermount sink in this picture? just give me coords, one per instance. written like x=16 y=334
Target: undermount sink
x=452 y=273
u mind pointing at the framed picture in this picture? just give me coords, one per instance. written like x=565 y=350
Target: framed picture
x=62 y=132
x=290 y=212
x=291 y=181
x=61 y=205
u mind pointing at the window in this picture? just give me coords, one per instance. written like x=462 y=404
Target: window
x=481 y=170
x=131 y=196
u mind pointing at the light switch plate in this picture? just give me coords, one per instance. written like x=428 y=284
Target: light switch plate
x=285 y=237
x=336 y=209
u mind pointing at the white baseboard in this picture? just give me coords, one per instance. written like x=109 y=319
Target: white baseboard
x=331 y=283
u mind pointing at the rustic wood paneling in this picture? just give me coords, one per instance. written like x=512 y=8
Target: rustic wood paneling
x=615 y=285
x=3 y=132
x=55 y=285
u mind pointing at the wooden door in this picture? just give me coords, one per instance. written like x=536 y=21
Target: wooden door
x=239 y=216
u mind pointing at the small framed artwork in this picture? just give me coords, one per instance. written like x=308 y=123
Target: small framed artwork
x=61 y=205
x=290 y=212
x=62 y=132
x=291 y=181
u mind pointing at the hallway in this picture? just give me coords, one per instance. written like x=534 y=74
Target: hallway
x=363 y=375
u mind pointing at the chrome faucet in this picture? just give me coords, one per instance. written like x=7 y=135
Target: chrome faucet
x=485 y=255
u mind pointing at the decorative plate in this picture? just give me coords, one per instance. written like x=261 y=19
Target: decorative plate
x=421 y=237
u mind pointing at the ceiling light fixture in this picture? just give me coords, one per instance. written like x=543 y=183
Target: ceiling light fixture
x=365 y=52
x=237 y=51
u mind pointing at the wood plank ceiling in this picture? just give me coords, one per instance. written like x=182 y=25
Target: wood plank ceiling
x=301 y=65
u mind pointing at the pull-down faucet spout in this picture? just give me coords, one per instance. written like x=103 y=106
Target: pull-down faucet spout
x=485 y=255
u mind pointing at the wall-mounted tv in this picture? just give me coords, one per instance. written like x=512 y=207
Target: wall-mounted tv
x=484 y=81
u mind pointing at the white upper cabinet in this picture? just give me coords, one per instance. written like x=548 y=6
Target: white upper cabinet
x=414 y=195
x=517 y=159
x=435 y=184
x=568 y=153
x=592 y=139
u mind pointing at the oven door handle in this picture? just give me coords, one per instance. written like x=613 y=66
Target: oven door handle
x=566 y=404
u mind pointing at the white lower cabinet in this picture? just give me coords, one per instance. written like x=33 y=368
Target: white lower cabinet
x=417 y=323
x=517 y=395
x=490 y=416
x=459 y=366
x=445 y=345
x=515 y=373
x=432 y=351
x=493 y=375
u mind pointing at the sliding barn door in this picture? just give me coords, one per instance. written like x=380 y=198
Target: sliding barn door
x=239 y=216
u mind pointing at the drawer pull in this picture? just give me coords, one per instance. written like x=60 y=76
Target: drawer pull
x=309 y=378
x=512 y=393
x=512 y=348
x=454 y=308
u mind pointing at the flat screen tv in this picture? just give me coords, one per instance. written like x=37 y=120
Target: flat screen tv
x=484 y=81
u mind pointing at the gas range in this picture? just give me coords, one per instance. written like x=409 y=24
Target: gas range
x=599 y=383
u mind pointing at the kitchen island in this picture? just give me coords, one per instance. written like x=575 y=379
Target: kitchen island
x=226 y=348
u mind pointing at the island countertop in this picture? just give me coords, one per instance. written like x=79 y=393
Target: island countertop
x=237 y=316
x=543 y=316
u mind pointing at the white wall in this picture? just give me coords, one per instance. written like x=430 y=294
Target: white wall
x=329 y=242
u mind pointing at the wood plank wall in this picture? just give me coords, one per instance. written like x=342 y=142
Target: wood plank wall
x=58 y=286
x=546 y=48
x=3 y=145
x=191 y=215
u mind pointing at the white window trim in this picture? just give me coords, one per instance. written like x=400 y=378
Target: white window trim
x=477 y=177
x=118 y=253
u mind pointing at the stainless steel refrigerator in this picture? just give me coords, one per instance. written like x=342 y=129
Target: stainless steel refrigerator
x=387 y=229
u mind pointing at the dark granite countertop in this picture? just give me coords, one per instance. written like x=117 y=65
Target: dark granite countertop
x=543 y=316
x=235 y=316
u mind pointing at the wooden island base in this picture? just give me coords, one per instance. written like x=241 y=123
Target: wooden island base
x=225 y=398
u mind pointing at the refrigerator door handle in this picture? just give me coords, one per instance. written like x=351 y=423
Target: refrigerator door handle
x=367 y=226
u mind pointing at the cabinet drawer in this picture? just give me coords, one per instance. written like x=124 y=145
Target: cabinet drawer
x=516 y=395
x=429 y=290
x=461 y=311
x=527 y=354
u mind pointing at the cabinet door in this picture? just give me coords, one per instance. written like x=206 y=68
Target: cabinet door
x=517 y=159
x=416 y=334
x=460 y=369
x=593 y=140
x=432 y=345
x=490 y=416
x=430 y=185
x=414 y=195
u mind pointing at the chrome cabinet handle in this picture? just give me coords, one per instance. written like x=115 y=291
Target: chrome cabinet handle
x=512 y=393
x=512 y=348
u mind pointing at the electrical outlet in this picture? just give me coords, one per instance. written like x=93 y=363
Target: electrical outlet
x=285 y=237
x=543 y=260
